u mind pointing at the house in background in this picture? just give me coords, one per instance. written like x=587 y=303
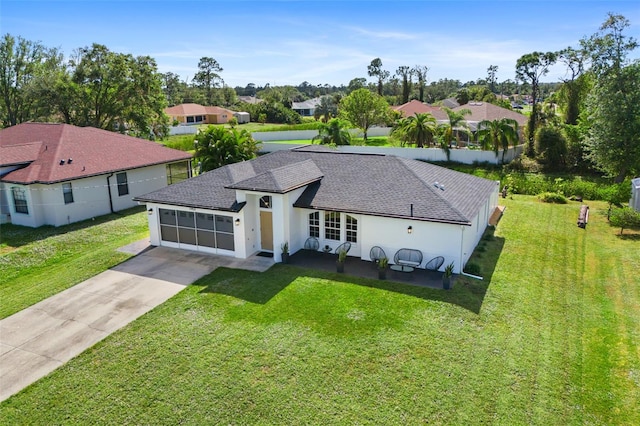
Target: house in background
x=306 y=108
x=198 y=114
x=485 y=111
x=635 y=194
x=55 y=174
x=289 y=196
x=414 y=107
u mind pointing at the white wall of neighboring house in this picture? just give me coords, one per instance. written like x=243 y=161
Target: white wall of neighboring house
x=47 y=206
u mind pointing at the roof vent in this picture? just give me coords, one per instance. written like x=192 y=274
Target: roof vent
x=69 y=160
x=439 y=186
x=436 y=184
x=62 y=162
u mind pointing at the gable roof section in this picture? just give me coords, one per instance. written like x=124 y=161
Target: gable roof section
x=414 y=107
x=195 y=109
x=282 y=179
x=486 y=111
x=91 y=151
x=379 y=185
x=14 y=155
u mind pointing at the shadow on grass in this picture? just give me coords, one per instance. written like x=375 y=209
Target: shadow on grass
x=260 y=288
x=17 y=236
x=629 y=237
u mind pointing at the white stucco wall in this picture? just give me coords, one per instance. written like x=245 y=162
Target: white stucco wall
x=90 y=197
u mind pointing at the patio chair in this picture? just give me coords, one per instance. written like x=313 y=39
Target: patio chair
x=376 y=254
x=344 y=246
x=407 y=259
x=312 y=243
x=435 y=263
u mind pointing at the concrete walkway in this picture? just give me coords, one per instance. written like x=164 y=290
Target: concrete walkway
x=42 y=337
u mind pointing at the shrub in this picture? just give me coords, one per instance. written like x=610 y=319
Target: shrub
x=625 y=218
x=552 y=197
x=472 y=268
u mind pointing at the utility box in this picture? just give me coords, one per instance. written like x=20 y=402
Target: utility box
x=635 y=194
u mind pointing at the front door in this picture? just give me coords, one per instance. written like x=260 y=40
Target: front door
x=266 y=230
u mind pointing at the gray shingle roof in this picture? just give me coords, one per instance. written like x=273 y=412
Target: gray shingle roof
x=380 y=185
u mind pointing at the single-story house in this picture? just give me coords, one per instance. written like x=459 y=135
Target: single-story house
x=55 y=174
x=485 y=111
x=306 y=108
x=289 y=196
x=635 y=194
x=414 y=107
x=198 y=114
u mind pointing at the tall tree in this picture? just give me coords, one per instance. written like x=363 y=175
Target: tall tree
x=530 y=68
x=217 y=146
x=112 y=91
x=374 y=69
x=208 y=77
x=454 y=126
x=614 y=103
x=173 y=88
x=404 y=72
x=420 y=71
x=572 y=90
x=326 y=109
x=364 y=109
x=492 y=72
x=356 y=83
x=23 y=66
x=498 y=134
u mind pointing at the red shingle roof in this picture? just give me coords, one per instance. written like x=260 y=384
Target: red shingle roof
x=19 y=154
x=91 y=151
x=486 y=111
x=414 y=107
x=195 y=109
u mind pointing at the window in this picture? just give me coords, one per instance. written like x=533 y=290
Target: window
x=332 y=226
x=177 y=172
x=352 y=229
x=314 y=224
x=67 y=193
x=20 y=200
x=123 y=185
x=265 y=202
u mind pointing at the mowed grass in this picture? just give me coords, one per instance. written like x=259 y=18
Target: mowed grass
x=37 y=263
x=554 y=341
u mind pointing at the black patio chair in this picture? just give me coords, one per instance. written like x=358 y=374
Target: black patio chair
x=312 y=243
x=376 y=253
x=435 y=263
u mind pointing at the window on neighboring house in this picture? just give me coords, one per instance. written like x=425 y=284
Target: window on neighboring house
x=314 y=224
x=20 y=200
x=332 y=226
x=123 y=185
x=177 y=172
x=67 y=193
x=352 y=229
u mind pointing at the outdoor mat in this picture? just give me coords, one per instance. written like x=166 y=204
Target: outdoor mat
x=265 y=254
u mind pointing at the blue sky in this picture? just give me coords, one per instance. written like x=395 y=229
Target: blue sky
x=288 y=42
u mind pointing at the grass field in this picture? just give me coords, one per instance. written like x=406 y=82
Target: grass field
x=37 y=263
x=549 y=337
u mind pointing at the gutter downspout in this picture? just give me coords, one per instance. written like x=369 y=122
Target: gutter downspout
x=462 y=272
x=109 y=191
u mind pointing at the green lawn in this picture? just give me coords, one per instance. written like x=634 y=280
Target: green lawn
x=37 y=263
x=549 y=337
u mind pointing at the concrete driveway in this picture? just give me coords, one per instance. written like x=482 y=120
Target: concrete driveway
x=42 y=337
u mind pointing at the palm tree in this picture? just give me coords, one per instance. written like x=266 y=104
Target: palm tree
x=457 y=123
x=498 y=134
x=333 y=132
x=418 y=129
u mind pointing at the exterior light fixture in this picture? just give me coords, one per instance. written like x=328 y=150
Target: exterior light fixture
x=150 y=211
x=237 y=222
x=409 y=229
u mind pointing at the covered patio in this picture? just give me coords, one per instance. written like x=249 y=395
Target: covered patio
x=365 y=269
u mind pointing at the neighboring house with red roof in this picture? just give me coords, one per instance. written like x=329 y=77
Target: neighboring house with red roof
x=54 y=174
x=414 y=107
x=199 y=114
x=485 y=111
x=314 y=192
